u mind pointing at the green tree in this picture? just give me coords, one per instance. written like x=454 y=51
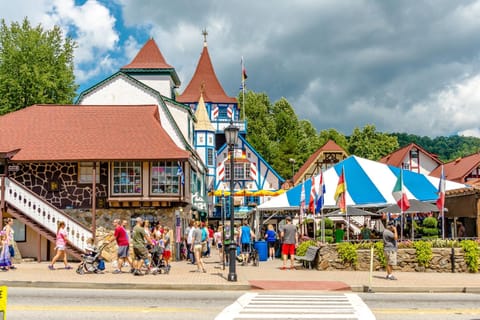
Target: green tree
x=370 y=144
x=36 y=66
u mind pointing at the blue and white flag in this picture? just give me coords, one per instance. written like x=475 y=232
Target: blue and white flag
x=180 y=173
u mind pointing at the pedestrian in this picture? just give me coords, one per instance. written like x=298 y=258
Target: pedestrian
x=61 y=246
x=290 y=239
x=461 y=230
x=123 y=251
x=246 y=236
x=189 y=237
x=10 y=239
x=139 y=239
x=339 y=234
x=218 y=236
x=197 y=247
x=167 y=254
x=210 y=240
x=5 y=261
x=271 y=237
x=390 y=248
x=366 y=232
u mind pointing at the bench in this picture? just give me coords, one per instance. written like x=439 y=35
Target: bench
x=309 y=256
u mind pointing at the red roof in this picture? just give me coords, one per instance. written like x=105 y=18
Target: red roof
x=205 y=75
x=149 y=57
x=66 y=132
x=396 y=158
x=329 y=146
x=458 y=169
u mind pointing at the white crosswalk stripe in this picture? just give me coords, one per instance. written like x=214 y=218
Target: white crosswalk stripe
x=291 y=306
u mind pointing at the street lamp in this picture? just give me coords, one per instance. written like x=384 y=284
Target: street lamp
x=292 y=161
x=231 y=136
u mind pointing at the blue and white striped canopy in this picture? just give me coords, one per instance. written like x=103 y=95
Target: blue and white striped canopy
x=369 y=184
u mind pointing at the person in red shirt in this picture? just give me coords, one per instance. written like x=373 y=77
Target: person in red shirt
x=121 y=237
x=210 y=239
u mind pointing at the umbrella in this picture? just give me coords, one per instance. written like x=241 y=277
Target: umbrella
x=263 y=193
x=243 y=193
x=415 y=206
x=352 y=211
x=218 y=193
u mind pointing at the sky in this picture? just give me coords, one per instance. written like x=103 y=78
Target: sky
x=404 y=66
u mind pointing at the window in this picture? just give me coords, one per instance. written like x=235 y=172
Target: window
x=127 y=177
x=85 y=172
x=241 y=171
x=164 y=178
x=209 y=157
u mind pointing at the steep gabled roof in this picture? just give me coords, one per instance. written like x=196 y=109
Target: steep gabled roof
x=205 y=77
x=458 y=169
x=396 y=158
x=149 y=57
x=100 y=132
x=329 y=146
x=203 y=120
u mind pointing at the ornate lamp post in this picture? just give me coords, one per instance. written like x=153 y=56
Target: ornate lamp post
x=292 y=161
x=231 y=136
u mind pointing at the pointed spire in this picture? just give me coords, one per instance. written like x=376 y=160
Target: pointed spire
x=203 y=120
x=205 y=74
x=149 y=57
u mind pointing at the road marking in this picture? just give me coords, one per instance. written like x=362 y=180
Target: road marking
x=77 y=308
x=321 y=306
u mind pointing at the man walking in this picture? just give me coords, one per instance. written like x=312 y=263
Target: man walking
x=123 y=244
x=390 y=248
x=139 y=239
x=290 y=239
x=246 y=236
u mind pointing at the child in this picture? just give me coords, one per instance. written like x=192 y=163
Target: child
x=5 y=261
x=90 y=249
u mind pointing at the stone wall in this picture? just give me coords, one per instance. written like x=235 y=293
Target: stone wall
x=406 y=260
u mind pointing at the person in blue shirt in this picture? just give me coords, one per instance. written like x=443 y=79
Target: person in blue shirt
x=271 y=237
x=246 y=236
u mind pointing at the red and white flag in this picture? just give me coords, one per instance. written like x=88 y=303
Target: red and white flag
x=441 y=193
x=214 y=112
x=313 y=196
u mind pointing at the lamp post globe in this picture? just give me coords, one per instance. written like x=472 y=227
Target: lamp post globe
x=231 y=136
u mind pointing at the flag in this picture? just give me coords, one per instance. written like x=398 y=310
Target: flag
x=302 y=203
x=313 y=196
x=441 y=192
x=399 y=195
x=253 y=171
x=321 y=192
x=221 y=170
x=340 y=193
x=230 y=112
x=244 y=73
x=180 y=172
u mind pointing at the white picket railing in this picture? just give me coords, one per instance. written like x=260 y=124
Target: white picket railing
x=44 y=213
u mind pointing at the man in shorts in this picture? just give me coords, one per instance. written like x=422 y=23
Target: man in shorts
x=139 y=239
x=390 y=248
x=246 y=236
x=123 y=252
x=290 y=239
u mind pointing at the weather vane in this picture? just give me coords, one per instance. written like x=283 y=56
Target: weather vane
x=205 y=34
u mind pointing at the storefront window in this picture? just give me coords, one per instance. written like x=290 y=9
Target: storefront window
x=164 y=177
x=127 y=177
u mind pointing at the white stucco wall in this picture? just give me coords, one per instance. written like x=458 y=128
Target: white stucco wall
x=162 y=84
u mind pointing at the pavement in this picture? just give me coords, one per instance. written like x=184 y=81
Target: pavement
x=267 y=276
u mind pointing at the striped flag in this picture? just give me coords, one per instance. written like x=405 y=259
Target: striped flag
x=230 y=112
x=399 y=195
x=180 y=172
x=441 y=192
x=221 y=170
x=313 y=196
x=302 y=204
x=253 y=171
x=341 y=192
x=321 y=192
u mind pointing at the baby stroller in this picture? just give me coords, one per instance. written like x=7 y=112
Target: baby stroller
x=93 y=262
x=157 y=263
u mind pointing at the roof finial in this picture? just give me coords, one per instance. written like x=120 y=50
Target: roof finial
x=205 y=34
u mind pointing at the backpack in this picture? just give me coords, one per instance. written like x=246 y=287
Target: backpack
x=204 y=234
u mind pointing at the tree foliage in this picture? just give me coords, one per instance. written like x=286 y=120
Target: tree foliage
x=370 y=144
x=36 y=66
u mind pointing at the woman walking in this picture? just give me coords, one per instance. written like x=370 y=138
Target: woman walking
x=61 y=246
x=8 y=229
x=271 y=237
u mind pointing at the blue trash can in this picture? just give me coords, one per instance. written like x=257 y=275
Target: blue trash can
x=262 y=249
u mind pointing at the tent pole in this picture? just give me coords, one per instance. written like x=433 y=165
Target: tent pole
x=348 y=223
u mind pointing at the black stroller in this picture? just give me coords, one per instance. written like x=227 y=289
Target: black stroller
x=157 y=263
x=93 y=262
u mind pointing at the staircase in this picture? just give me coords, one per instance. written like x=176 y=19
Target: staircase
x=41 y=216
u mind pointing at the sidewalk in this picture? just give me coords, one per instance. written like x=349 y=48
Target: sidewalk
x=268 y=276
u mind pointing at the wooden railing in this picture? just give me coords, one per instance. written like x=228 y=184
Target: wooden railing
x=42 y=212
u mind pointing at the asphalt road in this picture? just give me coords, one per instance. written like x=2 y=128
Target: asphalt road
x=69 y=304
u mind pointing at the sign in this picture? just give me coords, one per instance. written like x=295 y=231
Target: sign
x=3 y=301
x=199 y=202
x=13 y=168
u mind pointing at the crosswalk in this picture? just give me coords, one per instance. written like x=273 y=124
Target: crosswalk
x=297 y=306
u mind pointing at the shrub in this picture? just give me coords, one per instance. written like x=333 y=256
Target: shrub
x=347 y=252
x=328 y=230
x=429 y=229
x=380 y=254
x=472 y=253
x=423 y=249
x=303 y=246
x=430 y=222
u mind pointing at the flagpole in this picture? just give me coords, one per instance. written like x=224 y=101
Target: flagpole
x=243 y=90
x=442 y=194
x=401 y=207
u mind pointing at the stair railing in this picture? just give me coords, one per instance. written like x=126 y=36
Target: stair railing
x=45 y=214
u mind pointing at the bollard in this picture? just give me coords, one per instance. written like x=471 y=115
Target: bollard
x=3 y=302
x=452 y=259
